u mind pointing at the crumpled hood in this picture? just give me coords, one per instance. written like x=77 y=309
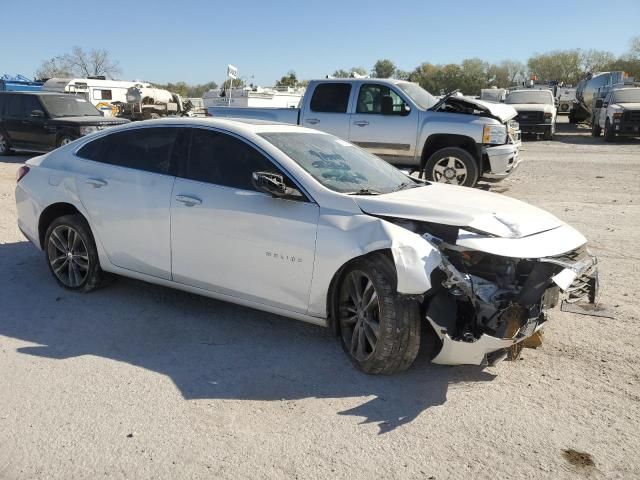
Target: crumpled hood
x=499 y=110
x=533 y=107
x=488 y=212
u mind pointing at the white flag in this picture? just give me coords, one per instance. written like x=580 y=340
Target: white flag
x=232 y=72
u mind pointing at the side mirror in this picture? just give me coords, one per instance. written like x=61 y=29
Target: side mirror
x=37 y=114
x=386 y=107
x=273 y=184
x=406 y=110
x=598 y=103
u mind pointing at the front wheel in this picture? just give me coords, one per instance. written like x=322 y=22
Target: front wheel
x=596 y=130
x=72 y=255
x=5 y=148
x=548 y=134
x=64 y=140
x=379 y=331
x=609 y=132
x=452 y=165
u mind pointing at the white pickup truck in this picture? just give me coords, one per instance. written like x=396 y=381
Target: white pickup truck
x=618 y=113
x=454 y=139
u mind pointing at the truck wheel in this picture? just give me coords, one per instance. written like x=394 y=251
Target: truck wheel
x=596 y=130
x=64 y=140
x=548 y=134
x=379 y=331
x=5 y=148
x=572 y=118
x=609 y=132
x=452 y=165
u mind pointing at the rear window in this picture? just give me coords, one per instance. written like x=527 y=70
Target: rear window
x=331 y=98
x=147 y=149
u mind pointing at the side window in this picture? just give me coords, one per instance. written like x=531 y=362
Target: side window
x=331 y=98
x=370 y=99
x=221 y=159
x=148 y=149
x=13 y=107
x=29 y=104
x=102 y=95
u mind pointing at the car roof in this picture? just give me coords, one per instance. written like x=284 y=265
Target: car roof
x=34 y=93
x=235 y=125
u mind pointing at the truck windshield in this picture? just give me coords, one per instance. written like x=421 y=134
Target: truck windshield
x=66 y=105
x=533 y=96
x=627 y=96
x=419 y=95
x=339 y=165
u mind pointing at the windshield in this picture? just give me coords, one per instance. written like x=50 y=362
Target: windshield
x=533 y=96
x=419 y=95
x=339 y=165
x=627 y=96
x=65 y=105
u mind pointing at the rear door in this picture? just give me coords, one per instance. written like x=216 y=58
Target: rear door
x=13 y=120
x=229 y=238
x=391 y=136
x=35 y=129
x=125 y=181
x=327 y=108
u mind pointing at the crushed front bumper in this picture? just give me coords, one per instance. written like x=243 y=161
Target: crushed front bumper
x=503 y=160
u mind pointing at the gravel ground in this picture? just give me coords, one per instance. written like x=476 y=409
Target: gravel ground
x=139 y=381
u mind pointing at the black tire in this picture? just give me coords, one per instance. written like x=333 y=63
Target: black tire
x=388 y=332
x=461 y=158
x=572 y=118
x=596 y=130
x=548 y=134
x=5 y=145
x=609 y=133
x=64 y=139
x=86 y=255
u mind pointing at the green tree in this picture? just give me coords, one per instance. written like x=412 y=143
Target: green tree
x=561 y=65
x=383 y=69
x=595 y=60
x=288 y=80
x=237 y=83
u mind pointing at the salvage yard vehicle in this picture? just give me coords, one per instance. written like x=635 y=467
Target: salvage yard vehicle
x=301 y=223
x=617 y=114
x=566 y=98
x=39 y=121
x=144 y=103
x=589 y=88
x=536 y=111
x=455 y=139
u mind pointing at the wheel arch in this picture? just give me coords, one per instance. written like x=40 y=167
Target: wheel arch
x=49 y=214
x=439 y=141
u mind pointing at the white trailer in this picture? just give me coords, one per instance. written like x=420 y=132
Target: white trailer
x=275 y=97
x=100 y=92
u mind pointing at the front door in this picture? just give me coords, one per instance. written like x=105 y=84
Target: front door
x=125 y=185
x=389 y=135
x=229 y=238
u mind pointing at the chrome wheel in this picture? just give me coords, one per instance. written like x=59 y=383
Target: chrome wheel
x=68 y=256
x=450 y=170
x=359 y=315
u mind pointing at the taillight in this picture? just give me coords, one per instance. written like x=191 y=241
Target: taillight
x=22 y=171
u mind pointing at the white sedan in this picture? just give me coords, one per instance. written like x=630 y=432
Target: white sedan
x=300 y=223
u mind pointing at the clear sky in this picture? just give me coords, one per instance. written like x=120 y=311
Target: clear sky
x=193 y=41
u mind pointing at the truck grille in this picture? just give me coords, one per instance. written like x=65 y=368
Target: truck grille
x=530 y=117
x=631 y=116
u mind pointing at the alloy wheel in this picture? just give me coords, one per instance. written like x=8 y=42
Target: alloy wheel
x=68 y=256
x=450 y=170
x=65 y=141
x=359 y=315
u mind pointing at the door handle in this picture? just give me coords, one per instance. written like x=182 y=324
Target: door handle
x=312 y=121
x=361 y=123
x=96 y=182
x=188 y=200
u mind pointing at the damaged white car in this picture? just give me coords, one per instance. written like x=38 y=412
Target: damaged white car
x=301 y=223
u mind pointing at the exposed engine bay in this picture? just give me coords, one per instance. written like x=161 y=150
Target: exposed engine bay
x=483 y=306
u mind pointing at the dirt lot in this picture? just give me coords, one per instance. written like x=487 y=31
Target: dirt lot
x=138 y=381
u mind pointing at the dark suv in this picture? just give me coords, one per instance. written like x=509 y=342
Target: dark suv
x=41 y=121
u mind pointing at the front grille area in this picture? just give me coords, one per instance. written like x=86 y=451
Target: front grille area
x=631 y=116
x=530 y=117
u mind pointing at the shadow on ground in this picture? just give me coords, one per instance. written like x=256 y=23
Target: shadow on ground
x=17 y=157
x=210 y=349
x=579 y=135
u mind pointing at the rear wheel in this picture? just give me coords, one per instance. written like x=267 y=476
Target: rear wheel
x=379 y=331
x=596 y=130
x=609 y=132
x=5 y=148
x=72 y=255
x=452 y=165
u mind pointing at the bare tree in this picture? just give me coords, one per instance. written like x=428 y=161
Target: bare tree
x=92 y=63
x=54 y=67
